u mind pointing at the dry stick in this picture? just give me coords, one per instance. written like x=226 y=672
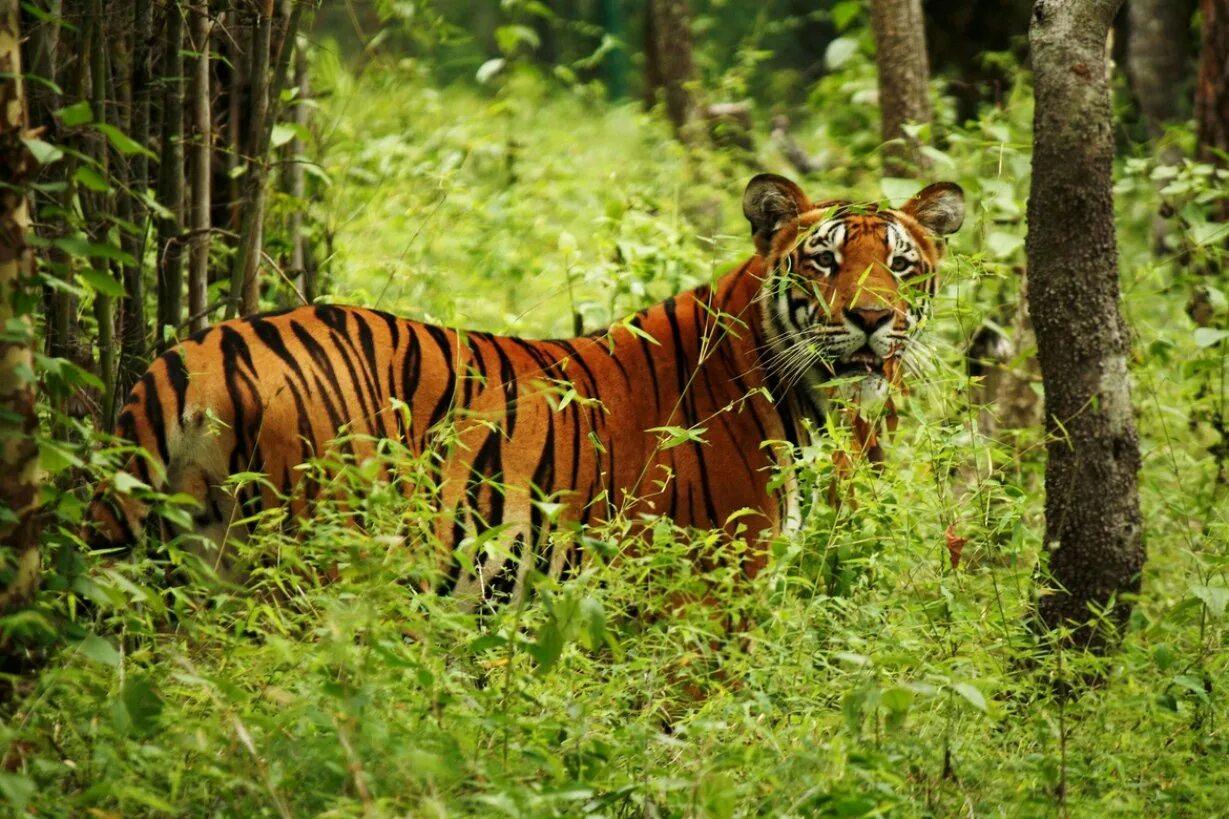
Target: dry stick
x=201 y=170
x=171 y=177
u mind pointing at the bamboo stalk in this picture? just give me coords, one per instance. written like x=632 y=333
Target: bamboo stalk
x=171 y=177
x=201 y=170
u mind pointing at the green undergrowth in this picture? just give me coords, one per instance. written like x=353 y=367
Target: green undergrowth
x=863 y=673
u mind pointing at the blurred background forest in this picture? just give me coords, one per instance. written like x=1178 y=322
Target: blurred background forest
x=541 y=169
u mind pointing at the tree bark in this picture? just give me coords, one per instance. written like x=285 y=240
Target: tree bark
x=900 y=43
x=20 y=472
x=1156 y=58
x=97 y=208
x=300 y=265
x=171 y=178
x=1212 y=90
x=670 y=67
x=201 y=172
x=133 y=341
x=268 y=72
x=1093 y=528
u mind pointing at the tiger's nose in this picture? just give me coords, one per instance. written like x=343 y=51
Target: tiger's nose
x=868 y=320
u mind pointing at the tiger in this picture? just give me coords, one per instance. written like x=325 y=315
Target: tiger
x=737 y=373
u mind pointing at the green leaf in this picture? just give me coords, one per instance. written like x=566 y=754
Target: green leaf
x=839 y=52
x=1002 y=244
x=92 y=179
x=1215 y=598
x=1206 y=233
x=17 y=790
x=898 y=699
x=79 y=113
x=1193 y=684
x=99 y=650
x=548 y=647
x=509 y=37
x=142 y=703
x=55 y=458
x=79 y=246
x=121 y=141
x=284 y=132
x=488 y=70
x=101 y=282
x=675 y=436
x=43 y=152
x=127 y=483
x=1208 y=336
x=845 y=13
x=971 y=695
x=897 y=190
x=594 y=618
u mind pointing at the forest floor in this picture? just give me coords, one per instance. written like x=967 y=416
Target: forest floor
x=869 y=675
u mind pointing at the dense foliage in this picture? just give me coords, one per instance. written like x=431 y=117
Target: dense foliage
x=882 y=665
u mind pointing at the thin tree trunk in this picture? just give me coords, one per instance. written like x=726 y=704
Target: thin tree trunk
x=1157 y=57
x=66 y=338
x=670 y=64
x=900 y=42
x=267 y=85
x=171 y=178
x=20 y=473
x=297 y=187
x=96 y=207
x=1093 y=528
x=615 y=63
x=238 y=104
x=244 y=281
x=202 y=170
x=44 y=100
x=133 y=342
x=1212 y=91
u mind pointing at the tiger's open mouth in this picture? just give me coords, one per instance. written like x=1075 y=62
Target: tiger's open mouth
x=863 y=361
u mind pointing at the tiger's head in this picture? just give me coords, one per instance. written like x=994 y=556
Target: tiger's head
x=847 y=287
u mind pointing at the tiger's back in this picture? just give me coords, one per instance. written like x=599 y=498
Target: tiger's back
x=504 y=422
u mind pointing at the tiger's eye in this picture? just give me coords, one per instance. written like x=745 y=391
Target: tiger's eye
x=899 y=264
x=826 y=259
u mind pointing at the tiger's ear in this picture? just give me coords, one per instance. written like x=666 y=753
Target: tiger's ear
x=768 y=203
x=939 y=208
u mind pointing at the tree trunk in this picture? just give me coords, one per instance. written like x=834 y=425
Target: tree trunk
x=614 y=65
x=1156 y=58
x=670 y=66
x=171 y=178
x=201 y=171
x=900 y=42
x=133 y=341
x=1093 y=528
x=97 y=208
x=1212 y=91
x=300 y=265
x=268 y=71
x=20 y=473
x=244 y=281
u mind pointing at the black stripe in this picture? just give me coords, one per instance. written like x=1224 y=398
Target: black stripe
x=508 y=381
x=177 y=375
x=448 y=396
x=153 y=412
x=648 y=360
